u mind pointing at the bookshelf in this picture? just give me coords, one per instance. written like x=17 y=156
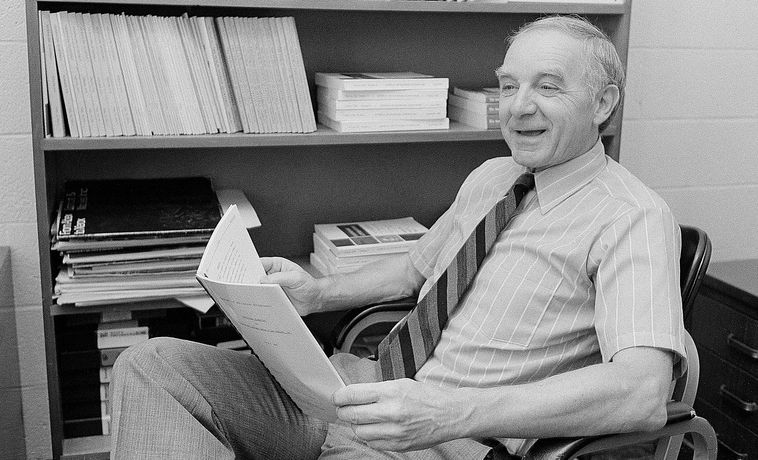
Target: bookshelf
x=296 y=180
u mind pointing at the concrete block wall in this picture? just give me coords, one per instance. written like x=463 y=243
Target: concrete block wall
x=11 y=428
x=691 y=114
x=18 y=230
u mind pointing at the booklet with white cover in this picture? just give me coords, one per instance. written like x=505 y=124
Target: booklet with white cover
x=263 y=314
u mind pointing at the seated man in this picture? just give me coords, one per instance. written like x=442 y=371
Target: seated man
x=571 y=326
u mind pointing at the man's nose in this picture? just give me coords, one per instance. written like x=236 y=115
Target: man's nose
x=523 y=103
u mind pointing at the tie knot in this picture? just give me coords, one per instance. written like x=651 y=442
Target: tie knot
x=522 y=185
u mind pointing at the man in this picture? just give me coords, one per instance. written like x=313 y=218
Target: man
x=571 y=326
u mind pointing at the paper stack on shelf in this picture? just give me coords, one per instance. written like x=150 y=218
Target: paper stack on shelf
x=477 y=107
x=345 y=247
x=382 y=101
x=129 y=240
x=125 y=75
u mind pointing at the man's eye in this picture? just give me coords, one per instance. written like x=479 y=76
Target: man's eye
x=548 y=89
x=508 y=89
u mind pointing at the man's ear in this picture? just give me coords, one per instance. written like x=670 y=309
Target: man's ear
x=607 y=100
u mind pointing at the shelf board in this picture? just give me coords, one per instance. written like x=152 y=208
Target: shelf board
x=322 y=136
x=525 y=7
x=87 y=447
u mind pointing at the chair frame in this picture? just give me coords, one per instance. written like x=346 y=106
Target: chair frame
x=694 y=260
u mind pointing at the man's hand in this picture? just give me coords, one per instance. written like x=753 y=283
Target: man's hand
x=302 y=289
x=401 y=415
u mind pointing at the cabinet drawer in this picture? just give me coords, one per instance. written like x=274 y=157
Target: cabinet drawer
x=735 y=442
x=728 y=333
x=729 y=389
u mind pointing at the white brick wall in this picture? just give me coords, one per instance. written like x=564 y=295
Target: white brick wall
x=18 y=227
x=691 y=114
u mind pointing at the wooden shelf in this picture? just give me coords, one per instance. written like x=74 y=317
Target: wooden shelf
x=323 y=136
x=87 y=448
x=512 y=7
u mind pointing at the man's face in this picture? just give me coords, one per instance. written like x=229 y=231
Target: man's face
x=547 y=112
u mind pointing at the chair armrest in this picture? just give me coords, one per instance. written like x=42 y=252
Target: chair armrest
x=362 y=315
x=681 y=419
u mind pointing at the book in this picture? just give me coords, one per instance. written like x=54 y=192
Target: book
x=371 y=237
x=357 y=126
x=266 y=319
x=120 y=334
x=489 y=108
x=475 y=119
x=487 y=95
x=124 y=208
x=325 y=102
x=380 y=81
x=379 y=95
x=321 y=248
x=108 y=355
x=383 y=114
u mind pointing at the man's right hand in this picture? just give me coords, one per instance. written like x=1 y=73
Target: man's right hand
x=304 y=291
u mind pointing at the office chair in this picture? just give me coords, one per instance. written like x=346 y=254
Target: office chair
x=360 y=331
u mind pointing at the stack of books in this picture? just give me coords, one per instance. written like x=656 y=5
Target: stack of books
x=346 y=247
x=384 y=101
x=112 y=338
x=129 y=240
x=477 y=107
x=123 y=75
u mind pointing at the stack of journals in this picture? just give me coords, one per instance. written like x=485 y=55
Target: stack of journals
x=88 y=346
x=342 y=248
x=477 y=107
x=133 y=239
x=123 y=75
x=384 y=101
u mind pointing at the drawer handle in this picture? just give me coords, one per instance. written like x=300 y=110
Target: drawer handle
x=742 y=347
x=733 y=452
x=746 y=406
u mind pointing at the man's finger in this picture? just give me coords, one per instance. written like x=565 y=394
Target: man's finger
x=284 y=279
x=358 y=393
x=360 y=414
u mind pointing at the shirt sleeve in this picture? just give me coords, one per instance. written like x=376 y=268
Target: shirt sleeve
x=424 y=253
x=638 y=298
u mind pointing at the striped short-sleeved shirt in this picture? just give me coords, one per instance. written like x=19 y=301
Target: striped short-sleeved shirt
x=588 y=267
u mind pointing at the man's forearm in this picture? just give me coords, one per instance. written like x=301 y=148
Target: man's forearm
x=621 y=396
x=389 y=279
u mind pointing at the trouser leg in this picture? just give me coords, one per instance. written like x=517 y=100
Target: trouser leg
x=177 y=399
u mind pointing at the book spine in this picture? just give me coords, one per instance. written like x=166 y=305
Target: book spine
x=378 y=95
x=475 y=95
x=383 y=125
x=384 y=114
x=122 y=337
x=492 y=108
x=380 y=83
x=106 y=374
x=325 y=101
x=477 y=120
x=108 y=355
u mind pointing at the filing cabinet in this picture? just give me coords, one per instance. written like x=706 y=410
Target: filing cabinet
x=724 y=325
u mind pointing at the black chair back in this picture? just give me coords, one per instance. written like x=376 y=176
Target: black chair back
x=693 y=262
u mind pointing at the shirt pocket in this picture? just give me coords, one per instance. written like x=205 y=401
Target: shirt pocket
x=517 y=316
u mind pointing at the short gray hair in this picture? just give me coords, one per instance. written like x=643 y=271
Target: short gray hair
x=604 y=68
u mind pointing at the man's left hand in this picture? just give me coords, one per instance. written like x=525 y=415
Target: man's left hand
x=401 y=415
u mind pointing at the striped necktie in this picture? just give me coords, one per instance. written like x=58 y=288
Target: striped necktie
x=408 y=345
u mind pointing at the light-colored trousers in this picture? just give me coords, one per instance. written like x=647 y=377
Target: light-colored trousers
x=175 y=399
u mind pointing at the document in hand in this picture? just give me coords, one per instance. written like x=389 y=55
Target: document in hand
x=263 y=314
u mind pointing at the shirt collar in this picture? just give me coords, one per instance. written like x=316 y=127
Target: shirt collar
x=555 y=184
